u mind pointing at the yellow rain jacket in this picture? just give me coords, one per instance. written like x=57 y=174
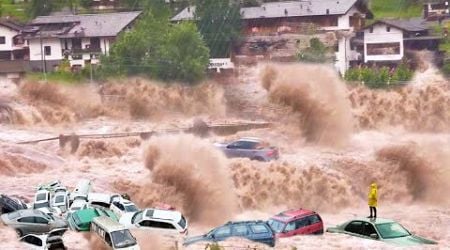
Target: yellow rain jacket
x=373 y=196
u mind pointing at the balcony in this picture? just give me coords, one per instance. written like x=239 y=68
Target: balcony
x=90 y=50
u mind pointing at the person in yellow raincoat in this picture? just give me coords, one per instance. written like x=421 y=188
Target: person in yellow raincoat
x=373 y=200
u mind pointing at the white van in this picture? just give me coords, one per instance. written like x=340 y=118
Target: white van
x=113 y=234
x=81 y=191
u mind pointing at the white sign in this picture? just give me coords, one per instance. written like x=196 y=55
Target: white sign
x=220 y=63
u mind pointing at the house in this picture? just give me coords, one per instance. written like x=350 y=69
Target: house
x=436 y=10
x=385 y=41
x=296 y=17
x=80 y=39
x=13 y=49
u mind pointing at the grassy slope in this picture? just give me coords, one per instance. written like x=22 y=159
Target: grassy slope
x=14 y=10
x=395 y=9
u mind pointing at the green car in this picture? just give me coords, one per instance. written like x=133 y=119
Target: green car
x=380 y=229
x=81 y=219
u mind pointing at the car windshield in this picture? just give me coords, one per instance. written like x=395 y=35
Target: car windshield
x=182 y=222
x=131 y=208
x=59 y=199
x=41 y=197
x=137 y=217
x=392 y=230
x=277 y=226
x=122 y=239
x=14 y=215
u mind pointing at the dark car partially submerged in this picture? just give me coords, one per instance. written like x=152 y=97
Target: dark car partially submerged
x=258 y=231
x=9 y=205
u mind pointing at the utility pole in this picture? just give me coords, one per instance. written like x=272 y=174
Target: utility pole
x=44 y=70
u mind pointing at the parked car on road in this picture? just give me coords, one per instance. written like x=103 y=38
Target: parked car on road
x=258 y=231
x=32 y=221
x=295 y=222
x=51 y=241
x=113 y=234
x=385 y=230
x=248 y=147
x=164 y=221
x=9 y=204
x=81 y=219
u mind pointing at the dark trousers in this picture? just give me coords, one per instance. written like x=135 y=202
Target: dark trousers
x=373 y=212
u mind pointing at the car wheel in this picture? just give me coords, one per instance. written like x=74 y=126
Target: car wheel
x=258 y=158
x=19 y=232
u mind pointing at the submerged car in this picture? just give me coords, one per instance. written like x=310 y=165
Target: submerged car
x=123 y=206
x=41 y=199
x=164 y=221
x=51 y=241
x=32 y=221
x=61 y=201
x=258 y=231
x=385 y=230
x=252 y=148
x=296 y=222
x=8 y=204
x=81 y=219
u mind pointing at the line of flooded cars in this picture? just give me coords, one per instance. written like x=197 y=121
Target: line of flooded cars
x=114 y=218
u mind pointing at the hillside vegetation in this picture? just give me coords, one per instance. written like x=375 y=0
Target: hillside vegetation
x=396 y=8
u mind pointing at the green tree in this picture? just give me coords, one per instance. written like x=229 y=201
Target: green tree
x=40 y=8
x=219 y=22
x=184 y=54
x=158 y=49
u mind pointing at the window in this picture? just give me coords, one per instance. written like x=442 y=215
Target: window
x=383 y=49
x=59 y=199
x=2 y=40
x=314 y=219
x=392 y=230
x=276 y=226
x=354 y=227
x=240 y=230
x=259 y=228
x=41 y=197
x=222 y=232
x=302 y=223
x=108 y=239
x=119 y=206
x=388 y=29
x=40 y=220
x=156 y=224
x=26 y=220
x=290 y=226
x=244 y=144
x=122 y=239
x=33 y=240
x=368 y=229
x=48 y=50
x=182 y=222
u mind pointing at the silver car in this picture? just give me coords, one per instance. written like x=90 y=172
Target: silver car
x=32 y=221
x=249 y=147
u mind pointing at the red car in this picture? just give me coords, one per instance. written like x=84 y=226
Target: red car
x=295 y=222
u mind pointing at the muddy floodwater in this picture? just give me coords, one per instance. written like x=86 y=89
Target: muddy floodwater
x=334 y=140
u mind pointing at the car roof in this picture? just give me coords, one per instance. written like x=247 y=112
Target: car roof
x=252 y=139
x=374 y=221
x=41 y=191
x=246 y=222
x=162 y=214
x=29 y=212
x=109 y=224
x=292 y=214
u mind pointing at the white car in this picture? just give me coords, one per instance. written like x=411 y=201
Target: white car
x=123 y=206
x=49 y=186
x=41 y=199
x=76 y=205
x=99 y=200
x=165 y=221
x=52 y=240
x=61 y=201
